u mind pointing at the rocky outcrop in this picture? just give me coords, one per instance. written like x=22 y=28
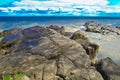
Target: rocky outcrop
x=109 y=69
x=60 y=30
x=91 y=48
x=92 y=26
x=43 y=54
x=68 y=34
x=9 y=37
x=79 y=35
x=118 y=27
x=8 y=32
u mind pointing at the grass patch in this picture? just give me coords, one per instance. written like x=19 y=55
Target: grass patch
x=13 y=77
x=18 y=76
x=1 y=38
x=7 y=77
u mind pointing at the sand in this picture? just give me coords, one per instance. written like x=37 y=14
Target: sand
x=109 y=44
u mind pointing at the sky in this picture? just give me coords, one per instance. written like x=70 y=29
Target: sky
x=107 y=8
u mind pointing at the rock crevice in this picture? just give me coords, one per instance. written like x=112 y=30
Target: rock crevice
x=48 y=55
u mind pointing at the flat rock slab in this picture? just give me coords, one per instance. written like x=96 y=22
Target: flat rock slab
x=44 y=54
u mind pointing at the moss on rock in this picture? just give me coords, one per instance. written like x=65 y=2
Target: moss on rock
x=1 y=39
x=14 y=77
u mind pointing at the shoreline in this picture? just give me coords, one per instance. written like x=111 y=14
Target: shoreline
x=109 y=44
x=51 y=49
x=100 y=39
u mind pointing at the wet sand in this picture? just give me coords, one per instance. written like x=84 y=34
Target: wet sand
x=109 y=44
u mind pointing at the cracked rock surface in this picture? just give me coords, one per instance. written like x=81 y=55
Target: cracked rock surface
x=44 y=54
x=109 y=69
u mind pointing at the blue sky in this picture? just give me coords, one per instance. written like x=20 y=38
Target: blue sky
x=60 y=8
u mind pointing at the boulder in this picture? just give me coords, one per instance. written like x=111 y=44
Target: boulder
x=90 y=48
x=12 y=37
x=3 y=51
x=92 y=51
x=109 y=69
x=60 y=30
x=8 y=32
x=79 y=35
x=118 y=27
x=68 y=34
x=44 y=54
x=35 y=32
x=91 y=23
x=106 y=29
x=92 y=26
x=9 y=38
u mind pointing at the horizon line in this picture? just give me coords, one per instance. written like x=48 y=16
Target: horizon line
x=65 y=16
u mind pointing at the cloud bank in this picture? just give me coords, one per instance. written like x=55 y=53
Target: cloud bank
x=60 y=8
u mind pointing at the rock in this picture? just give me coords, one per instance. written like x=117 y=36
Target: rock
x=24 y=78
x=105 y=29
x=8 y=32
x=118 y=30
x=12 y=37
x=109 y=69
x=118 y=27
x=44 y=54
x=9 y=38
x=91 y=48
x=92 y=51
x=60 y=30
x=3 y=51
x=79 y=73
x=91 y=23
x=92 y=26
x=79 y=35
x=68 y=34
x=35 y=32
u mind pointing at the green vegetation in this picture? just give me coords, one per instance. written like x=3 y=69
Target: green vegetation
x=13 y=77
x=1 y=43
x=1 y=38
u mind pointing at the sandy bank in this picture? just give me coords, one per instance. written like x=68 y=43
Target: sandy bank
x=109 y=44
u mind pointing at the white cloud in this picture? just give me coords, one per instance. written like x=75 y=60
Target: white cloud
x=86 y=2
x=89 y=7
x=33 y=4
